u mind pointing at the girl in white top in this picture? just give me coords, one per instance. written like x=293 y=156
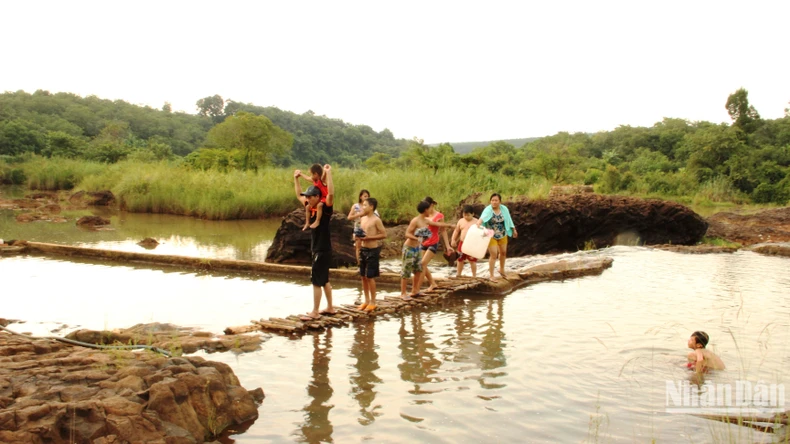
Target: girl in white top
x=355 y=214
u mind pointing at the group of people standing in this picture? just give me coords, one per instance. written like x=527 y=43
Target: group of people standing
x=423 y=235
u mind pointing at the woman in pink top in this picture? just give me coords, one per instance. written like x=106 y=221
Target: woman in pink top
x=431 y=245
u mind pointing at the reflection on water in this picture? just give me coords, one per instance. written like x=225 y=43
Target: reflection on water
x=584 y=359
x=317 y=427
x=177 y=235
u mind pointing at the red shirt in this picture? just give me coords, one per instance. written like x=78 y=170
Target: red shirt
x=434 y=239
x=324 y=190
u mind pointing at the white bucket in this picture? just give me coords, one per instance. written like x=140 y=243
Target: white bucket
x=476 y=241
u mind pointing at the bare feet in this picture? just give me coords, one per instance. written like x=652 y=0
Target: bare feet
x=312 y=316
x=432 y=287
x=405 y=297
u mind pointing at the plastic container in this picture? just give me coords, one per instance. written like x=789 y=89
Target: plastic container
x=476 y=241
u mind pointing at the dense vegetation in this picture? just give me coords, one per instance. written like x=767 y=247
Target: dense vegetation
x=231 y=159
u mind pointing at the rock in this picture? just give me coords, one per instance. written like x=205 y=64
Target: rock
x=773 y=249
x=74 y=394
x=92 y=221
x=571 y=223
x=765 y=226
x=291 y=245
x=148 y=243
x=169 y=337
x=96 y=198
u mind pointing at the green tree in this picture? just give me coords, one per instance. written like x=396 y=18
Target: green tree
x=21 y=136
x=255 y=137
x=212 y=106
x=743 y=115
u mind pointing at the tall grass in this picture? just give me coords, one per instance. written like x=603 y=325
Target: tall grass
x=173 y=188
x=58 y=174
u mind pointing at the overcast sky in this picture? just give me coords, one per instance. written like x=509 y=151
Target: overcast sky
x=440 y=71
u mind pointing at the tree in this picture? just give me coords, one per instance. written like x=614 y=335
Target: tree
x=743 y=115
x=167 y=107
x=256 y=137
x=213 y=106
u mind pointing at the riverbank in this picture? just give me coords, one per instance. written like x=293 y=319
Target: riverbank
x=173 y=188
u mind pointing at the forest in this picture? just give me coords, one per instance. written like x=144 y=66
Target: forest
x=744 y=161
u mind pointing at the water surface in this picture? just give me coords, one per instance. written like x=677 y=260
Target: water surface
x=580 y=360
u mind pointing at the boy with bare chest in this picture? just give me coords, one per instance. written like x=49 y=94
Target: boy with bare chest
x=372 y=231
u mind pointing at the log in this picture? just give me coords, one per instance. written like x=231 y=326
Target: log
x=241 y=329
x=273 y=326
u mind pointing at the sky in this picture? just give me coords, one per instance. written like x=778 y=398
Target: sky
x=441 y=71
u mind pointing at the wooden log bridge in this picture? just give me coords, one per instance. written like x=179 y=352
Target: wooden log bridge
x=553 y=271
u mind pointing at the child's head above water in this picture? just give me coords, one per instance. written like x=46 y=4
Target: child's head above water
x=698 y=339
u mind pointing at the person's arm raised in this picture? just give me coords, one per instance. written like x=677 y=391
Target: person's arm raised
x=330 y=186
x=298 y=187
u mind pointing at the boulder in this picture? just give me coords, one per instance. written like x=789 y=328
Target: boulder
x=291 y=245
x=92 y=221
x=97 y=198
x=148 y=243
x=573 y=222
x=748 y=229
x=56 y=393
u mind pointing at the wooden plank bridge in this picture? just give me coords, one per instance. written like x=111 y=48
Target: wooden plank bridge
x=293 y=325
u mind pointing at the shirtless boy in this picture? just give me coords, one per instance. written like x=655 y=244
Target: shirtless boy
x=370 y=252
x=459 y=233
x=702 y=359
x=411 y=260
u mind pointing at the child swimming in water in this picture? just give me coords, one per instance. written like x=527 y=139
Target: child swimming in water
x=702 y=359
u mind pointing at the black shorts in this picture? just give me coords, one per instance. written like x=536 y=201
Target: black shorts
x=432 y=248
x=319 y=275
x=369 y=262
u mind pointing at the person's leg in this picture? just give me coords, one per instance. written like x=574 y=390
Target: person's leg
x=416 y=283
x=427 y=255
x=493 y=251
x=404 y=283
x=473 y=266
x=372 y=287
x=328 y=292
x=366 y=289
x=459 y=268
x=316 y=302
x=502 y=256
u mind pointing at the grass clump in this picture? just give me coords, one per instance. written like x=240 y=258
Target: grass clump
x=719 y=242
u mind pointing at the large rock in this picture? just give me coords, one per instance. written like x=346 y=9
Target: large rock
x=747 y=229
x=291 y=245
x=56 y=393
x=573 y=222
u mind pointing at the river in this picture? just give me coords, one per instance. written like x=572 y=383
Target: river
x=594 y=359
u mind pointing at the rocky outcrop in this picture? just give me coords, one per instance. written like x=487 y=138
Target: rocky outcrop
x=561 y=224
x=56 y=393
x=291 y=245
x=575 y=222
x=92 y=221
x=94 y=198
x=169 y=337
x=748 y=229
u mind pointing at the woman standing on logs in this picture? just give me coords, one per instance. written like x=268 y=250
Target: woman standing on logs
x=497 y=217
